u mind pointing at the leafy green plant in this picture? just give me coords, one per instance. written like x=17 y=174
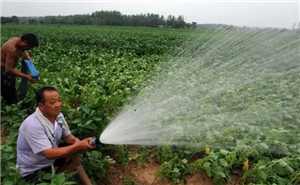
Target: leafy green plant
x=8 y=159
x=175 y=163
x=95 y=164
x=176 y=169
x=295 y=178
x=215 y=167
x=55 y=178
x=84 y=121
x=122 y=153
x=14 y=177
x=141 y=155
x=127 y=181
x=164 y=153
x=280 y=171
x=12 y=115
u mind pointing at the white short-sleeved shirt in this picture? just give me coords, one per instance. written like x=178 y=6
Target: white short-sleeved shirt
x=32 y=140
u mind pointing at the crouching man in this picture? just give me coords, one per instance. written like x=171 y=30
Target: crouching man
x=39 y=138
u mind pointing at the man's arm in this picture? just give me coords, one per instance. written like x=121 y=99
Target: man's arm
x=9 y=68
x=71 y=139
x=26 y=55
x=56 y=153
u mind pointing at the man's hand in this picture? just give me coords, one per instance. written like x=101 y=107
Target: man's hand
x=30 y=79
x=26 y=55
x=77 y=140
x=85 y=144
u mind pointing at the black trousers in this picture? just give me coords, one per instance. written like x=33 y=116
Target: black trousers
x=8 y=87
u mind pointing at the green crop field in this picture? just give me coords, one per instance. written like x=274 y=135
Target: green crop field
x=98 y=70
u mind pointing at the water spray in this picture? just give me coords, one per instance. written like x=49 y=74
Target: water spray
x=227 y=88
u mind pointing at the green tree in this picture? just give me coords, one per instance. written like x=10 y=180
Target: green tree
x=111 y=18
x=50 y=20
x=42 y=22
x=194 y=25
x=5 y=20
x=32 y=21
x=179 y=23
x=14 y=20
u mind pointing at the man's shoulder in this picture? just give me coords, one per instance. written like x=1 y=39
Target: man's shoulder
x=32 y=120
x=10 y=45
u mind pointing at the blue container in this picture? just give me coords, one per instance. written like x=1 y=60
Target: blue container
x=32 y=69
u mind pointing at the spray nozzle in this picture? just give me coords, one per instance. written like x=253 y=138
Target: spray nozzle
x=95 y=141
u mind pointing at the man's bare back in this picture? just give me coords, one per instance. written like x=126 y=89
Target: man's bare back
x=11 y=47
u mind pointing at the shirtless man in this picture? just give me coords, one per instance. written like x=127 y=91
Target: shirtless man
x=11 y=51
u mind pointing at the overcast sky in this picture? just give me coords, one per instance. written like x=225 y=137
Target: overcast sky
x=264 y=13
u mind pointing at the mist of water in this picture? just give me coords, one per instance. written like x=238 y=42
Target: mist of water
x=224 y=88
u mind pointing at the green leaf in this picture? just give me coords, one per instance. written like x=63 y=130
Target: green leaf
x=212 y=139
x=223 y=162
x=5 y=156
x=283 y=181
x=282 y=163
x=47 y=176
x=291 y=170
x=176 y=169
x=187 y=152
x=206 y=165
x=184 y=161
x=264 y=146
x=3 y=147
x=260 y=167
x=208 y=171
x=58 y=179
x=98 y=119
x=221 y=173
x=263 y=175
x=71 y=174
x=224 y=152
x=77 y=121
x=88 y=122
x=279 y=170
x=288 y=116
x=52 y=170
x=8 y=149
x=8 y=182
x=12 y=165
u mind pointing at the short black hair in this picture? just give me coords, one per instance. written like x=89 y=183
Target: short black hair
x=31 y=39
x=39 y=95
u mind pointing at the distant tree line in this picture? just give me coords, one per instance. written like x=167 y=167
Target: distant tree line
x=10 y=20
x=105 y=18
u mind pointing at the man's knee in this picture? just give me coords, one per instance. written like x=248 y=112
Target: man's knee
x=69 y=162
x=76 y=159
